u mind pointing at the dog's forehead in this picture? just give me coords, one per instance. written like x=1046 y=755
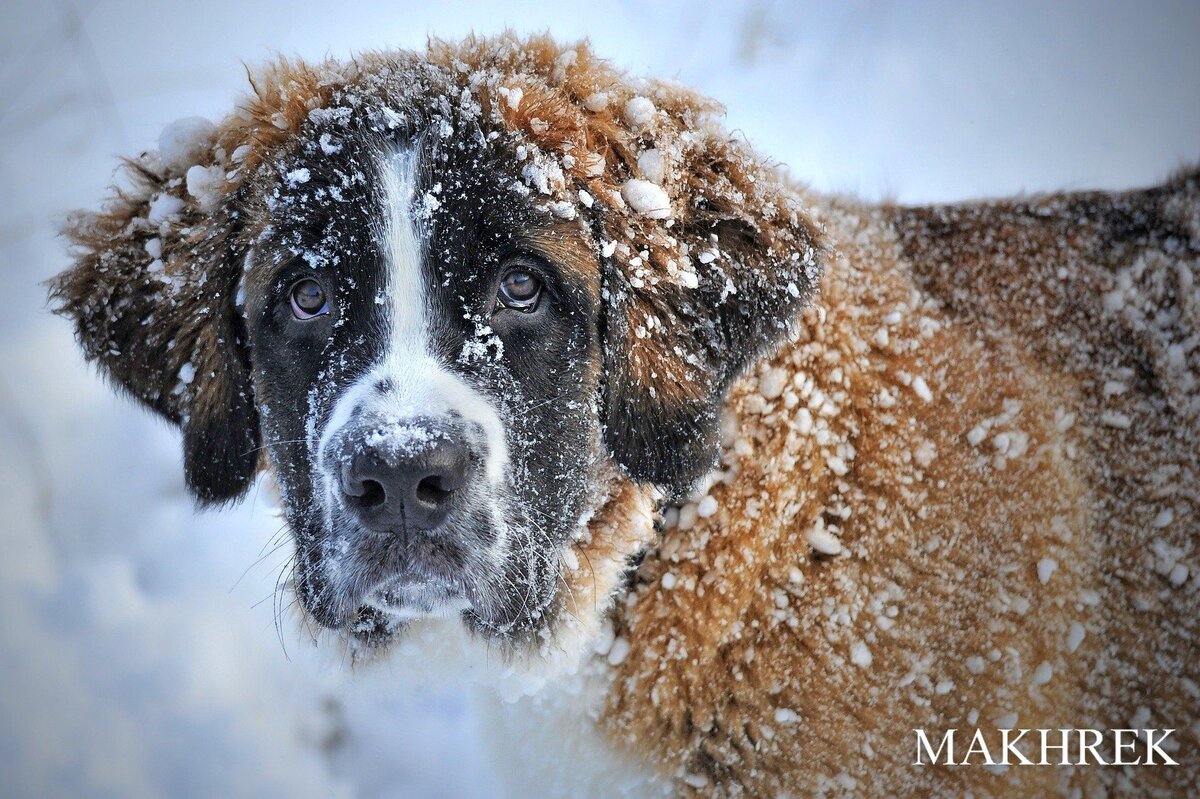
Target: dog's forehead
x=330 y=202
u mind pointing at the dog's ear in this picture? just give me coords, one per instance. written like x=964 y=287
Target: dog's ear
x=707 y=255
x=674 y=344
x=153 y=297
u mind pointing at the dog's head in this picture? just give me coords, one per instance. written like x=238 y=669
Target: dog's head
x=455 y=302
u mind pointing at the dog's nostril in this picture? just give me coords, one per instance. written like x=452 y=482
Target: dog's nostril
x=372 y=495
x=432 y=490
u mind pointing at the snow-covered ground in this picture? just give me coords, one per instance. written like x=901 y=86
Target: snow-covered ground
x=138 y=651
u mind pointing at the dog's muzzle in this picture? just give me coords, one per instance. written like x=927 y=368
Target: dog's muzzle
x=409 y=487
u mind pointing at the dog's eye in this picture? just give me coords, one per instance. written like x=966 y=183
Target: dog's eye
x=520 y=290
x=308 y=299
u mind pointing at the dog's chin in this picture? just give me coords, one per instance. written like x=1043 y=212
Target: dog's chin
x=405 y=598
x=373 y=590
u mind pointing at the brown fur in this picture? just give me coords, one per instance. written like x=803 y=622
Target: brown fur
x=998 y=303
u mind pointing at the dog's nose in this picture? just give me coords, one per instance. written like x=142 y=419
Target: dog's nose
x=395 y=487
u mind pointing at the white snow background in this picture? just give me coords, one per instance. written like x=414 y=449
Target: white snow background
x=138 y=656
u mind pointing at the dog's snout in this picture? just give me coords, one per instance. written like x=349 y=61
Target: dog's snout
x=407 y=485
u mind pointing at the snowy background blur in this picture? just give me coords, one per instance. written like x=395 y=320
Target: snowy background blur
x=138 y=655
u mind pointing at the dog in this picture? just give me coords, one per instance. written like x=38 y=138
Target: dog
x=747 y=484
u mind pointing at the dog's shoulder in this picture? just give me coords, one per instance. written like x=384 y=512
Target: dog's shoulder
x=920 y=512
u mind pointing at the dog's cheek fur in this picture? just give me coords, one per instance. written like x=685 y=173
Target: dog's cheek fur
x=153 y=306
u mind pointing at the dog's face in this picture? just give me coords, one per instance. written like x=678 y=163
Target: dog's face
x=424 y=347
x=458 y=300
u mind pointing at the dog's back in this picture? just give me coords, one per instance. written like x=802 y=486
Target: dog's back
x=965 y=497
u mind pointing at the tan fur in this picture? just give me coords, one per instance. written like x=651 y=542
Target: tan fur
x=941 y=537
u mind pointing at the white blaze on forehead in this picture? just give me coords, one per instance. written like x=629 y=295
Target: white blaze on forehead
x=404 y=242
x=419 y=386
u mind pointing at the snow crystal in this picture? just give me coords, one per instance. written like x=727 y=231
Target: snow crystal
x=668 y=581
x=647 y=198
x=154 y=247
x=619 y=651
x=162 y=208
x=204 y=183
x=328 y=146
x=1115 y=419
x=652 y=165
x=298 y=177
x=706 y=507
x=772 y=382
x=543 y=174
x=184 y=142
x=859 y=655
x=1043 y=673
x=596 y=102
x=639 y=112
x=586 y=198
x=1074 y=636
x=922 y=389
x=187 y=373
x=1045 y=568
x=512 y=97
x=786 y=715
x=924 y=454
x=563 y=210
x=604 y=640
x=1178 y=575
x=823 y=541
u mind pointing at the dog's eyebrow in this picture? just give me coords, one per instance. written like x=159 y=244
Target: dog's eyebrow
x=563 y=245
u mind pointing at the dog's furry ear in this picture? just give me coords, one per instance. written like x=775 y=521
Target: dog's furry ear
x=689 y=307
x=152 y=294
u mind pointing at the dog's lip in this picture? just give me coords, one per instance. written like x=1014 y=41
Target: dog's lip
x=412 y=593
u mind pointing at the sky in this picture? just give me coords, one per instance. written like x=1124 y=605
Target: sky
x=139 y=655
